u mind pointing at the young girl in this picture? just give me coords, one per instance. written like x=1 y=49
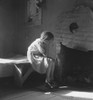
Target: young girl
x=41 y=54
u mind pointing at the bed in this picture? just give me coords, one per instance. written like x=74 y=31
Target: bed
x=7 y=64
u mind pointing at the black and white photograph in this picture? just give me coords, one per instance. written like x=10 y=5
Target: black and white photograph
x=46 y=49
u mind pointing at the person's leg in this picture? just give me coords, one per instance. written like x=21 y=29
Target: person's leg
x=50 y=70
x=50 y=74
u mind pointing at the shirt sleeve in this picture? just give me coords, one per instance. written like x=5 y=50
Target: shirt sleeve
x=42 y=48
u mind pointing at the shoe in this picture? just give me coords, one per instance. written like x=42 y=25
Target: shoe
x=51 y=84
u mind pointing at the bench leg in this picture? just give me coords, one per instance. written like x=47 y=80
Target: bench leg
x=27 y=74
x=19 y=77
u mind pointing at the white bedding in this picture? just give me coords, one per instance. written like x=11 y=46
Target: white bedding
x=14 y=60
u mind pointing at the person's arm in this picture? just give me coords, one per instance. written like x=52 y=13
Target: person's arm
x=42 y=49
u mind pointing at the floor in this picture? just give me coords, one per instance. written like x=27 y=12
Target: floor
x=34 y=89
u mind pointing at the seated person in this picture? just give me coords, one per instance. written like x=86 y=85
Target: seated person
x=42 y=55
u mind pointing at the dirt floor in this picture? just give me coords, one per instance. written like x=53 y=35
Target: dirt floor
x=34 y=89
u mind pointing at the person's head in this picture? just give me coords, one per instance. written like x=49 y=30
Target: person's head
x=46 y=36
x=73 y=27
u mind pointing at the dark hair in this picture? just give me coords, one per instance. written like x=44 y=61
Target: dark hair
x=46 y=35
x=73 y=26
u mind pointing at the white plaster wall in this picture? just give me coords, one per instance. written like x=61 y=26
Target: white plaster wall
x=54 y=8
x=7 y=33
x=83 y=38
